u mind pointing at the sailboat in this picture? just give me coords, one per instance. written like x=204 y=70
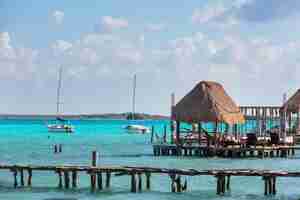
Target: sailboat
x=61 y=125
x=135 y=128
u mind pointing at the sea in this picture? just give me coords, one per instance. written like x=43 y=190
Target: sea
x=27 y=141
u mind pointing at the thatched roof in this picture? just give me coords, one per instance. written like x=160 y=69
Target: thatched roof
x=207 y=102
x=293 y=103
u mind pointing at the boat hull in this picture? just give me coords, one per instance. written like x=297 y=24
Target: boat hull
x=138 y=129
x=60 y=128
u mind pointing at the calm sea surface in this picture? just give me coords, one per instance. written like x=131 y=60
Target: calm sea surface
x=28 y=142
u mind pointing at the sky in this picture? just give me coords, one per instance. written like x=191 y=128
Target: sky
x=249 y=46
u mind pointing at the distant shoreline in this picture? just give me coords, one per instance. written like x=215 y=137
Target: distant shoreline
x=119 y=116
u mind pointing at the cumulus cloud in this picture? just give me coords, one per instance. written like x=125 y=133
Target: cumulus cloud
x=58 y=16
x=109 y=23
x=4 y=40
x=155 y=27
x=208 y=13
x=60 y=46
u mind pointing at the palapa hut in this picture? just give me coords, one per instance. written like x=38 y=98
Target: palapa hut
x=206 y=102
x=290 y=107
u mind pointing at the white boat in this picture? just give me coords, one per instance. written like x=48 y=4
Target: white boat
x=135 y=128
x=60 y=128
x=61 y=125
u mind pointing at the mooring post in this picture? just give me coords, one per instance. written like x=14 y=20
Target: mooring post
x=228 y=183
x=67 y=179
x=148 y=182
x=22 y=177
x=15 y=173
x=152 y=134
x=99 y=180
x=60 y=185
x=274 y=185
x=108 y=176
x=133 y=183
x=173 y=188
x=74 y=178
x=266 y=185
x=93 y=181
x=165 y=134
x=178 y=184
x=94 y=158
x=139 y=182
x=218 y=185
x=29 y=177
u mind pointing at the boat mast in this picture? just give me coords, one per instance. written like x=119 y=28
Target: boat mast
x=133 y=96
x=58 y=91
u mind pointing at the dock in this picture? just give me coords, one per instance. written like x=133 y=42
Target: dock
x=234 y=151
x=100 y=176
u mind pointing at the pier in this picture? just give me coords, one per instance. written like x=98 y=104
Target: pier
x=140 y=177
x=234 y=151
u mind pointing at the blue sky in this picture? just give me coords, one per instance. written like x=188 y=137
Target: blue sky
x=250 y=46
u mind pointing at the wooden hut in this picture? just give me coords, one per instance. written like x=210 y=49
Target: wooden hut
x=292 y=107
x=207 y=102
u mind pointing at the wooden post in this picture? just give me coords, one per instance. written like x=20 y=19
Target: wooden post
x=60 y=185
x=165 y=134
x=29 y=177
x=199 y=132
x=178 y=132
x=15 y=173
x=218 y=185
x=133 y=183
x=93 y=181
x=152 y=134
x=228 y=183
x=148 y=181
x=99 y=181
x=274 y=185
x=94 y=158
x=266 y=185
x=173 y=188
x=178 y=184
x=108 y=176
x=67 y=179
x=139 y=182
x=22 y=177
x=74 y=178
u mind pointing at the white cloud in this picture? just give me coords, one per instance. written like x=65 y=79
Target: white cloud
x=155 y=27
x=60 y=46
x=208 y=13
x=58 y=16
x=4 y=40
x=109 y=23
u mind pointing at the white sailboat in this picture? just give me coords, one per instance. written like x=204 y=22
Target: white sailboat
x=61 y=125
x=136 y=128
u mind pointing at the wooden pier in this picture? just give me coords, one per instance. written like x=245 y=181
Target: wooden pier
x=234 y=151
x=68 y=176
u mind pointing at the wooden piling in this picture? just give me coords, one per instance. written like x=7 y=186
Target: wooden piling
x=60 y=185
x=67 y=179
x=148 y=181
x=108 y=177
x=139 y=182
x=15 y=173
x=74 y=178
x=99 y=181
x=228 y=183
x=22 y=177
x=133 y=183
x=29 y=177
x=93 y=182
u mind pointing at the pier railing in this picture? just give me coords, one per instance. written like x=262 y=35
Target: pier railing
x=68 y=176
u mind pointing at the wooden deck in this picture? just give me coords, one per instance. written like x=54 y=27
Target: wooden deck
x=234 y=151
x=68 y=176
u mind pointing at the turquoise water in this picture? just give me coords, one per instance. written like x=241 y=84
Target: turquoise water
x=28 y=142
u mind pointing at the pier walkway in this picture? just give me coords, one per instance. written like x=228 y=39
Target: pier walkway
x=68 y=176
x=231 y=151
